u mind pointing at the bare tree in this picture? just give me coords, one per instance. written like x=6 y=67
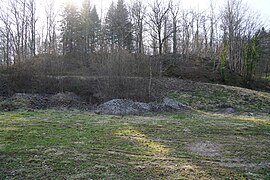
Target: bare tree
x=187 y=29
x=213 y=34
x=5 y=36
x=212 y=22
x=50 y=39
x=239 y=24
x=175 y=10
x=19 y=21
x=138 y=13
x=157 y=20
x=31 y=6
x=168 y=32
x=232 y=21
x=196 y=44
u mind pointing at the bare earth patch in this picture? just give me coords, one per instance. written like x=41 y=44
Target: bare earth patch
x=205 y=148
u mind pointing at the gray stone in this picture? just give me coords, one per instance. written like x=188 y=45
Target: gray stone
x=123 y=106
x=229 y=110
x=173 y=104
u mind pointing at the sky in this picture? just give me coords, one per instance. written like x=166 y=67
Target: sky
x=262 y=6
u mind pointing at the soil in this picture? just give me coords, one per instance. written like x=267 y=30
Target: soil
x=205 y=148
x=45 y=101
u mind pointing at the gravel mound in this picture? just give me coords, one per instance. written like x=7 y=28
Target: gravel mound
x=123 y=107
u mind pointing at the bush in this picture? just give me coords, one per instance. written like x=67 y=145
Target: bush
x=96 y=78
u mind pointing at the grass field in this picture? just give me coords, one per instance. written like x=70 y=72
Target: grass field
x=80 y=145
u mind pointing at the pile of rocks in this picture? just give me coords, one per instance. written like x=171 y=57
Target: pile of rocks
x=123 y=107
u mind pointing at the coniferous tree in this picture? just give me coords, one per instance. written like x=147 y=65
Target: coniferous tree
x=86 y=25
x=119 y=27
x=123 y=26
x=71 y=31
x=95 y=30
x=110 y=27
x=252 y=56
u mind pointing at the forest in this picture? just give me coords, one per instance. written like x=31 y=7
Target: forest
x=231 y=37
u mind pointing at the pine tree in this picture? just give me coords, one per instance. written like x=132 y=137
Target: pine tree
x=71 y=30
x=119 y=27
x=95 y=30
x=123 y=26
x=110 y=27
x=86 y=25
x=252 y=56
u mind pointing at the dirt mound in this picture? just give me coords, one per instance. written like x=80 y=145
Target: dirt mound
x=67 y=100
x=36 y=101
x=123 y=107
x=24 y=101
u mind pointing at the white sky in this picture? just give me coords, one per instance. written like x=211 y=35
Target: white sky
x=262 y=6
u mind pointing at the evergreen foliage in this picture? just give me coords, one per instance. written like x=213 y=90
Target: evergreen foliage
x=70 y=29
x=223 y=61
x=252 y=56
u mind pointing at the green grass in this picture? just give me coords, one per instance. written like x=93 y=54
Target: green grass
x=70 y=145
x=266 y=77
x=213 y=97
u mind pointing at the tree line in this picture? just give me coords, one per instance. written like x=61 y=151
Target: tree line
x=229 y=36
